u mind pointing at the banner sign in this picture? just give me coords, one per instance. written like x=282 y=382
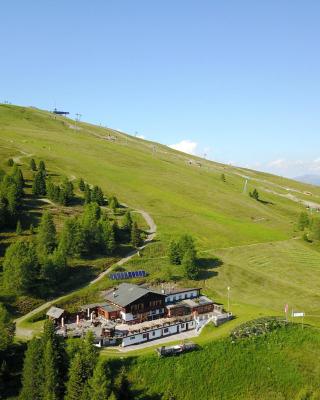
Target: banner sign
x=298 y=314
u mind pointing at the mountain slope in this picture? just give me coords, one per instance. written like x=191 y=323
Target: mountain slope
x=182 y=197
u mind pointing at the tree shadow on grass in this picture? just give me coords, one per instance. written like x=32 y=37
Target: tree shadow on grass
x=265 y=202
x=208 y=266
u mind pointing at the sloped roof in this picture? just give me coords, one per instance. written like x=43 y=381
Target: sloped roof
x=55 y=312
x=127 y=293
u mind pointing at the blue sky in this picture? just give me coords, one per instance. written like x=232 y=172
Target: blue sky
x=237 y=80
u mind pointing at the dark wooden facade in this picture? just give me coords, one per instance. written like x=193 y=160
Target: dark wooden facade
x=149 y=302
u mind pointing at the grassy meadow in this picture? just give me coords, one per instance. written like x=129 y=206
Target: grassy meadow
x=261 y=255
x=281 y=365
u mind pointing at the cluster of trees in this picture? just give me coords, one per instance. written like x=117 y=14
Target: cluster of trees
x=54 y=371
x=62 y=194
x=36 y=264
x=11 y=193
x=92 y=232
x=94 y=195
x=183 y=252
x=41 y=262
x=43 y=185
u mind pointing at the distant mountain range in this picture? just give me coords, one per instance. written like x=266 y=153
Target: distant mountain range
x=312 y=179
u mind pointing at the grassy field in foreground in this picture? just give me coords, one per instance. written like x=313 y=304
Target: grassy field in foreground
x=281 y=365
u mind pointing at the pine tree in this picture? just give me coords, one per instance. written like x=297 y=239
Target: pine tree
x=254 y=194
x=20 y=267
x=42 y=166
x=31 y=375
x=191 y=270
x=223 y=177
x=100 y=197
x=50 y=373
x=33 y=165
x=174 y=253
x=89 y=355
x=98 y=387
x=111 y=242
x=127 y=221
x=39 y=183
x=136 y=240
x=113 y=203
x=54 y=362
x=72 y=241
x=19 y=228
x=47 y=235
x=17 y=177
x=10 y=162
x=75 y=383
x=87 y=194
x=186 y=243
x=81 y=185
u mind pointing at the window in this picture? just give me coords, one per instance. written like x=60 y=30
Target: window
x=153 y=333
x=132 y=337
x=166 y=330
x=182 y=325
x=144 y=336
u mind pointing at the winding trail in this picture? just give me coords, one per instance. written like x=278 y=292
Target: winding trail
x=27 y=333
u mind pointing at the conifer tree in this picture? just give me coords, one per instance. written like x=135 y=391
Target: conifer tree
x=75 y=383
x=20 y=267
x=39 y=183
x=10 y=162
x=113 y=203
x=81 y=185
x=87 y=194
x=42 y=166
x=31 y=375
x=191 y=270
x=98 y=387
x=136 y=240
x=47 y=235
x=50 y=373
x=33 y=165
x=127 y=221
x=89 y=355
x=19 y=228
x=174 y=253
x=72 y=241
x=223 y=177
x=100 y=197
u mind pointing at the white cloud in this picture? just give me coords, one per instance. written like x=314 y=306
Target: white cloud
x=186 y=146
x=287 y=167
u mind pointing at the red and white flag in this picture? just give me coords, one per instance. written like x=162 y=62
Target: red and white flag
x=286 y=308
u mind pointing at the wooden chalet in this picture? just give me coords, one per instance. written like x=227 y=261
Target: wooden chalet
x=133 y=303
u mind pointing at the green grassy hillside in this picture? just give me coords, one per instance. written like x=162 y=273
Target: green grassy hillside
x=281 y=365
x=185 y=198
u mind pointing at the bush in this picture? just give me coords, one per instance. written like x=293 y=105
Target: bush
x=257 y=327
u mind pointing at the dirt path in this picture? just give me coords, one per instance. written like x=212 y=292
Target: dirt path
x=27 y=333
